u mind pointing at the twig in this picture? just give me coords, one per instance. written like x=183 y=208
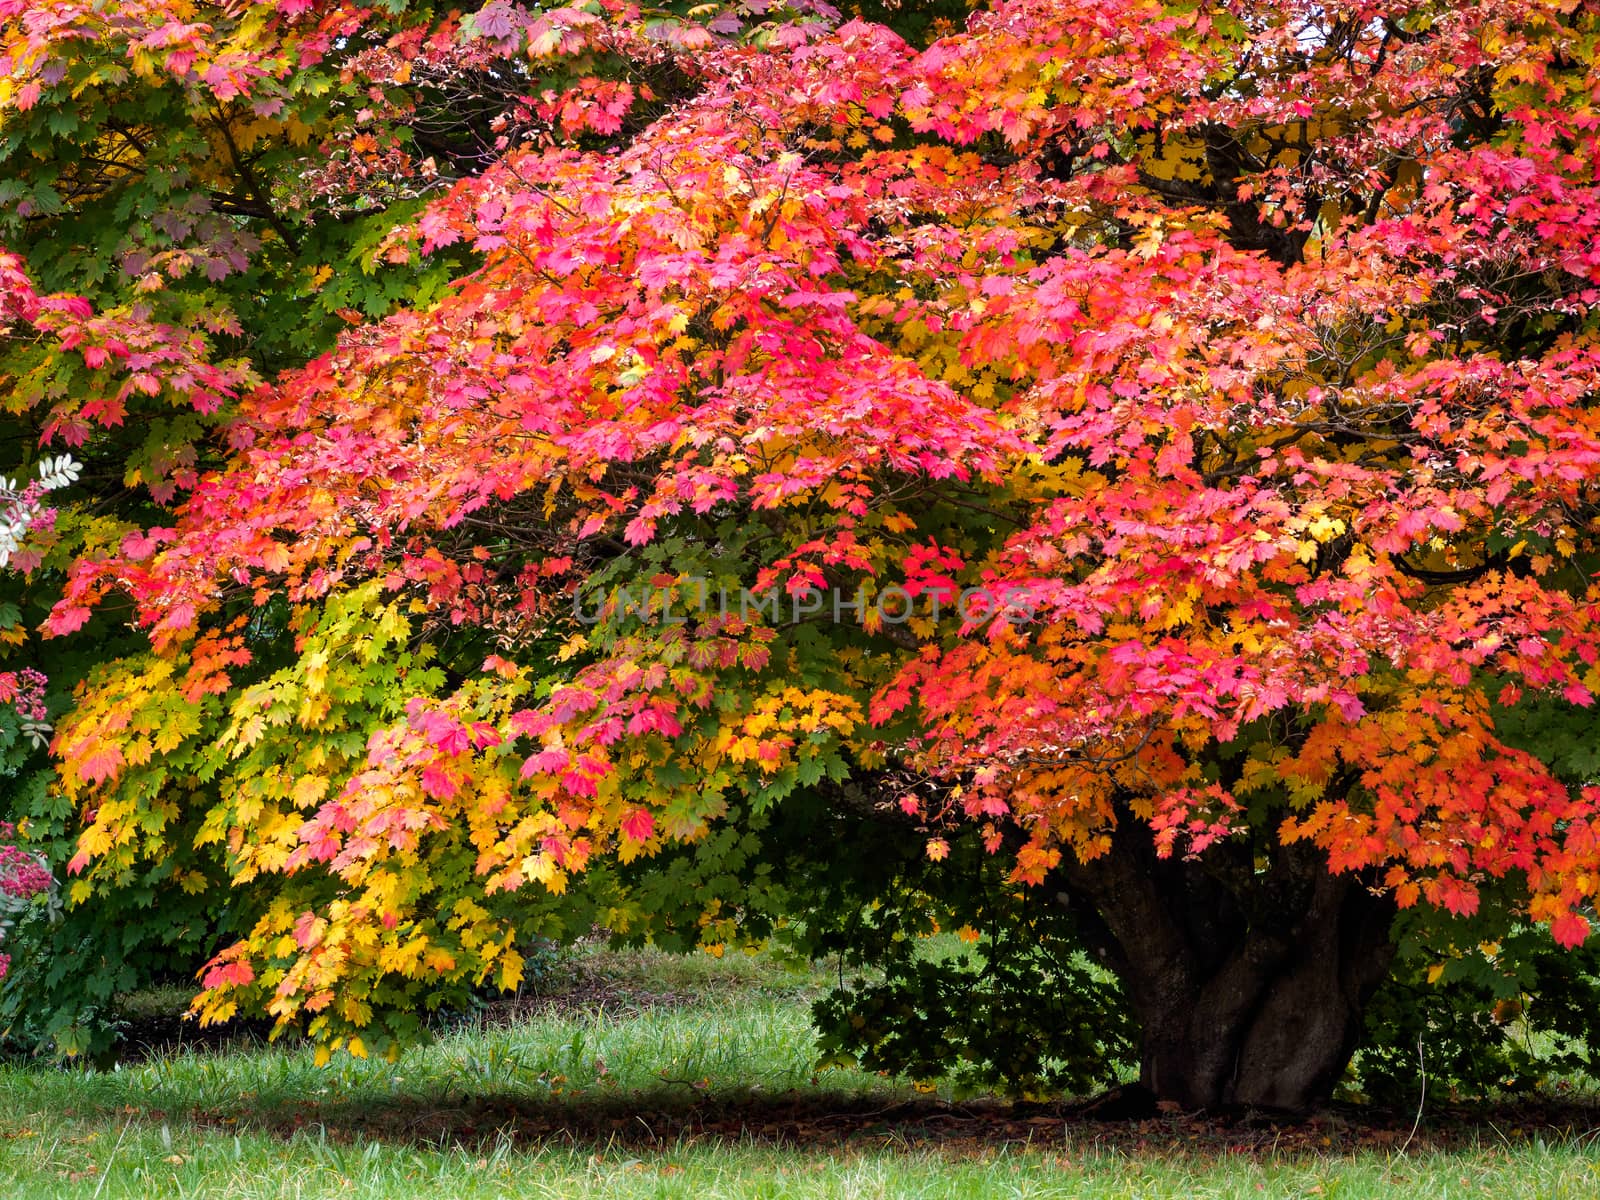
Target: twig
x=110 y=1159
x=1422 y=1066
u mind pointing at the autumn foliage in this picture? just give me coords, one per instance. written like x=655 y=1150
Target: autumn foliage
x=1239 y=359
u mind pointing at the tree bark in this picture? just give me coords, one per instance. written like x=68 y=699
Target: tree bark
x=1249 y=969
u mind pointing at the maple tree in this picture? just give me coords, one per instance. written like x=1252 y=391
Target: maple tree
x=1149 y=447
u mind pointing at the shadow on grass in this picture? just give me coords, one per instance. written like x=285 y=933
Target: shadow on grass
x=819 y=1119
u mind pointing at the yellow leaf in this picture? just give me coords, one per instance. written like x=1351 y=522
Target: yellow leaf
x=316 y=671
x=510 y=971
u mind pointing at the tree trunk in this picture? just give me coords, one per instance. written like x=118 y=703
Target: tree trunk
x=1249 y=969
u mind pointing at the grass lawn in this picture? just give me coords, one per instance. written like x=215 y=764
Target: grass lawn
x=646 y=1076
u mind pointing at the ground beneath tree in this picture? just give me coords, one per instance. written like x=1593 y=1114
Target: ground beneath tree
x=672 y=1112
x=820 y=1122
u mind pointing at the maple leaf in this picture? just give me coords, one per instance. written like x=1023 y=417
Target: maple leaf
x=1570 y=929
x=101 y=764
x=639 y=825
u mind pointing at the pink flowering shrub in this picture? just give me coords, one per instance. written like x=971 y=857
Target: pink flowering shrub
x=23 y=877
x=24 y=691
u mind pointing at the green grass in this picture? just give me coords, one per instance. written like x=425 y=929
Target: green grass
x=679 y=1077
x=148 y=1162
